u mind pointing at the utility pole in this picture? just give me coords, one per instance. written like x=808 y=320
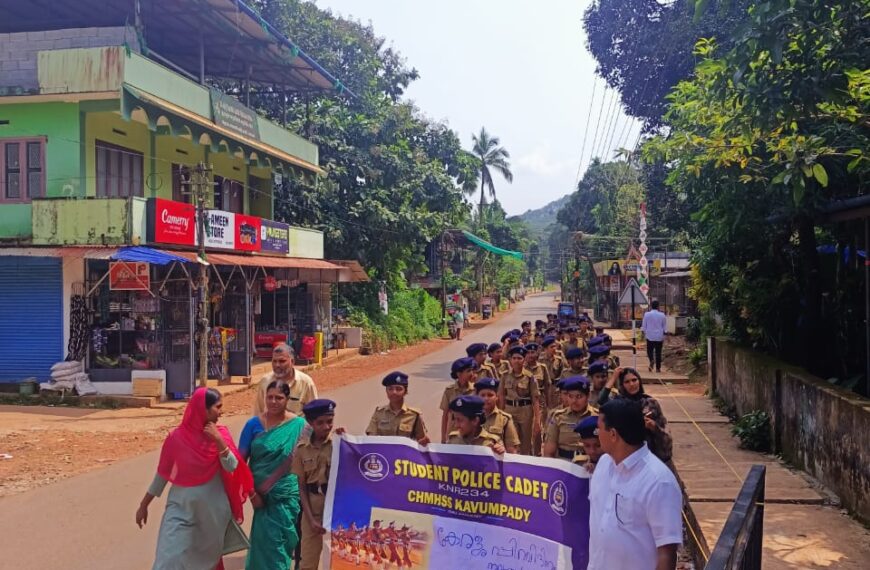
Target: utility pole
x=443 y=280
x=198 y=186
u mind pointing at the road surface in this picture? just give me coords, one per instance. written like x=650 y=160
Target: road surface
x=87 y=522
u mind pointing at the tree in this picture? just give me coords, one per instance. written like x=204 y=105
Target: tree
x=607 y=200
x=490 y=156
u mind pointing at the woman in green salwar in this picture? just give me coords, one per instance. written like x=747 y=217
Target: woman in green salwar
x=268 y=442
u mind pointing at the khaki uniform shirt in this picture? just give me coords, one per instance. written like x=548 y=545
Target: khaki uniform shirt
x=569 y=372
x=520 y=387
x=501 y=424
x=542 y=375
x=302 y=391
x=483 y=438
x=491 y=370
x=451 y=393
x=554 y=364
x=407 y=422
x=560 y=430
x=311 y=462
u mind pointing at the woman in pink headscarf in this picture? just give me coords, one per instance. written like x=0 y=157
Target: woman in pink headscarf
x=210 y=483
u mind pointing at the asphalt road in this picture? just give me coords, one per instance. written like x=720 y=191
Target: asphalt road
x=87 y=522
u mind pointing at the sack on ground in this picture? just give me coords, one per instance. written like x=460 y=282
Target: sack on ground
x=64 y=376
x=83 y=385
x=65 y=367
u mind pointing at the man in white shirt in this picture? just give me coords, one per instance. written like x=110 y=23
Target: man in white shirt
x=635 y=502
x=653 y=327
x=302 y=389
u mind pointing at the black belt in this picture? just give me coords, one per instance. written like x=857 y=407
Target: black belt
x=316 y=489
x=566 y=453
x=520 y=402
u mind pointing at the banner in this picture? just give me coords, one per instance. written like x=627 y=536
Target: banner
x=452 y=506
x=129 y=276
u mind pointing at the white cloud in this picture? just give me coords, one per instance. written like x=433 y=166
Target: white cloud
x=541 y=162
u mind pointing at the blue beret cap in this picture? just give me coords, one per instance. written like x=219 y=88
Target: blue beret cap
x=532 y=346
x=316 y=408
x=548 y=340
x=460 y=365
x=475 y=349
x=599 y=350
x=486 y=384
x=587 y=427
x=597 y=368
x=395 y=379
x=595 y=341
x=493 y=347
x=580 y=383
x=506 y=335
x=517 y=350
x=468 y=405
x=573 y=353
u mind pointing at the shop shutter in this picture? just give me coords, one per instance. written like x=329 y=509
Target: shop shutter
x=31 y=317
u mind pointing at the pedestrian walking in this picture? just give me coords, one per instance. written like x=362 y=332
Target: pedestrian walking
x=459 y=322
x=210 y=483
x=302 y=388
x=462 y=370
x=269 y=442
x=397 y=418
x=519 y=395
x=635 y=502
x=469 y=418
x=497 y=422
x=311 y=464
x=653 y=326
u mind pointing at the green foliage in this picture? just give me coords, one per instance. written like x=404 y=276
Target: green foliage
x=490 y=156
x=753 y=430
x=698 y=355
x=413 y=316
x=607 y=200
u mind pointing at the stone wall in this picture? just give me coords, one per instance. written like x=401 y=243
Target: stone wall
x=815 y=426
x=18 y=52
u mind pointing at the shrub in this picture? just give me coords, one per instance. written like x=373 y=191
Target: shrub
x=753 y=430
x=413 y=316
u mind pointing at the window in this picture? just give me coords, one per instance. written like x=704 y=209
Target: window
x=22 y=168
x=179 y=191
x=228 y=194
x=119 y=172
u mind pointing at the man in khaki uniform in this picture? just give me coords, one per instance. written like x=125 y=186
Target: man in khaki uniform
x=497 y=422
x=574 y=357
x=468 y=411
x=519 y=395
x=496 y=365
x=311 y=463
x=462 y=370
x=302 y=388
x=396 y=418
x=562 y=440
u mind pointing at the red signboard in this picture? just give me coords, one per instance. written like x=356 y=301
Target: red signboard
x=247 y=233
x=129 y=276
x=174 y=222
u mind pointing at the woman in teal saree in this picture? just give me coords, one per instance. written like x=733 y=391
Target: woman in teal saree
x=268 y=442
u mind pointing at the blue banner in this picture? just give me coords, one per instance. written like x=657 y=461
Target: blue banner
x=393 y=502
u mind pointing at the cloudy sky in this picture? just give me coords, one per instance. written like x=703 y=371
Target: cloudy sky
x=517 y=67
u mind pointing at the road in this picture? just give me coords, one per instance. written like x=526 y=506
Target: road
x=86 y=522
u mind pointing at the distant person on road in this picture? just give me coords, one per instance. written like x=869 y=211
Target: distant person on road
x=630 y=387
x=268 y=442
x=635 y=502
x=302 y=388
x=654 y=325
x=210 y=482
x=397 y=418
x=459 y=322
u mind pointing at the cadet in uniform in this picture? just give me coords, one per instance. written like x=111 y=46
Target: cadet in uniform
x=396 y=418
x=468 y=413
x=462 y=371
x=477 y=352
x=542 y=375
x=572 y=341
x=574 y=357
x=584 y=333
x=519 y=395
x=311 y=463
x=562 y=440
x=598 y=375
x=601 y=353
x=497 y=422
x=496 y=365
x=554 y=363
x=587 y=429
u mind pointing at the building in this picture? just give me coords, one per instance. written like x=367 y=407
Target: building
x=105 y=110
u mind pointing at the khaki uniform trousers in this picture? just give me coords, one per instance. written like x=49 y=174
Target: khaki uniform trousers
x=524 y=417
x=312 y=541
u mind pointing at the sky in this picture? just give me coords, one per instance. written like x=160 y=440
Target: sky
x=517 y=67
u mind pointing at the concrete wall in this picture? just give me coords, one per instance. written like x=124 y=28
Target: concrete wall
x=815 y=426
x=18 y=53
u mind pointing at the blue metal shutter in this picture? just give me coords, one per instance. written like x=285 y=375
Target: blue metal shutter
x=31 y=316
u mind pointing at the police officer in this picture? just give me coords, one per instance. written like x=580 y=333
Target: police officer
x=462 y=370
x=598 y=374
x=468 y=418
x=562 y=440
x=519 y=395
x=397 y=418
x=496 y=365
x=542 y=376
x=477 y=352
x=572 y=341
x=587 y=429
x=555 y=363
x=497 y=422
x=574 y=357
x=600 y=353
x=311 y=463
x=584 y=333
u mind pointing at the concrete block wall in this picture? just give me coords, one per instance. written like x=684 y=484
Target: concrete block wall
x=18 y=51
x=815 y=426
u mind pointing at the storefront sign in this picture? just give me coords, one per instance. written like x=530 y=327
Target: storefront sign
x=220 y=230
x=275 y=237
x=455 y=506
x=247 y=233
x=231 y=114
x=129 y=276
x=171 y=222
x=269 y=283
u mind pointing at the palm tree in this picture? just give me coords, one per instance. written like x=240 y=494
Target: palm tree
x=490 y=157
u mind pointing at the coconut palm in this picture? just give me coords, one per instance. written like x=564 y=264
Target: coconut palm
x=490 y=157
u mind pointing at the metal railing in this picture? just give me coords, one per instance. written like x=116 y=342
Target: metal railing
x=739 y=545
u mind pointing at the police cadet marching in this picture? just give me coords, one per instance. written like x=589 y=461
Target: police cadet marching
x=468 y=418
x=587 y=429
x=477 y=352
x=519 y=395
x=497 y=422
x=496 y=365
x=542 y=376
x=397 y=418
x=562 y=440
x=311 y=463
x=598 y=374
x=554 y=363
x=462 y=370
x=575 y=358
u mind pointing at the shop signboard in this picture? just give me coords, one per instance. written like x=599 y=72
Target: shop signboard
x=231 y=114
x=274 y=237
x=171 y=222
x=129 y=276
x=220 y=231
x=247 y=233
x=175 y=223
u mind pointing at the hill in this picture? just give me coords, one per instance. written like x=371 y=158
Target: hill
x=539 y=219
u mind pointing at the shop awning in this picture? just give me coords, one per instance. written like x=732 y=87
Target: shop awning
x=148 y=255
x=303 y=269
x=482 y=243
x=354 y=272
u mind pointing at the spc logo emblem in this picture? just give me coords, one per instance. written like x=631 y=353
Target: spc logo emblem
x=559 y=498
x=373 y=466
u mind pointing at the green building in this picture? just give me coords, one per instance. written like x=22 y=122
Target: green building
x=105 y=110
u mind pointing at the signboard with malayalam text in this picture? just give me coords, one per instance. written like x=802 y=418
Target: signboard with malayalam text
x=129 y=276
x=227 y=112
x=453 y=506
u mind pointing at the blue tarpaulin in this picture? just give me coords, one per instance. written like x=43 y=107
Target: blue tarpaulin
x=147 y=255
